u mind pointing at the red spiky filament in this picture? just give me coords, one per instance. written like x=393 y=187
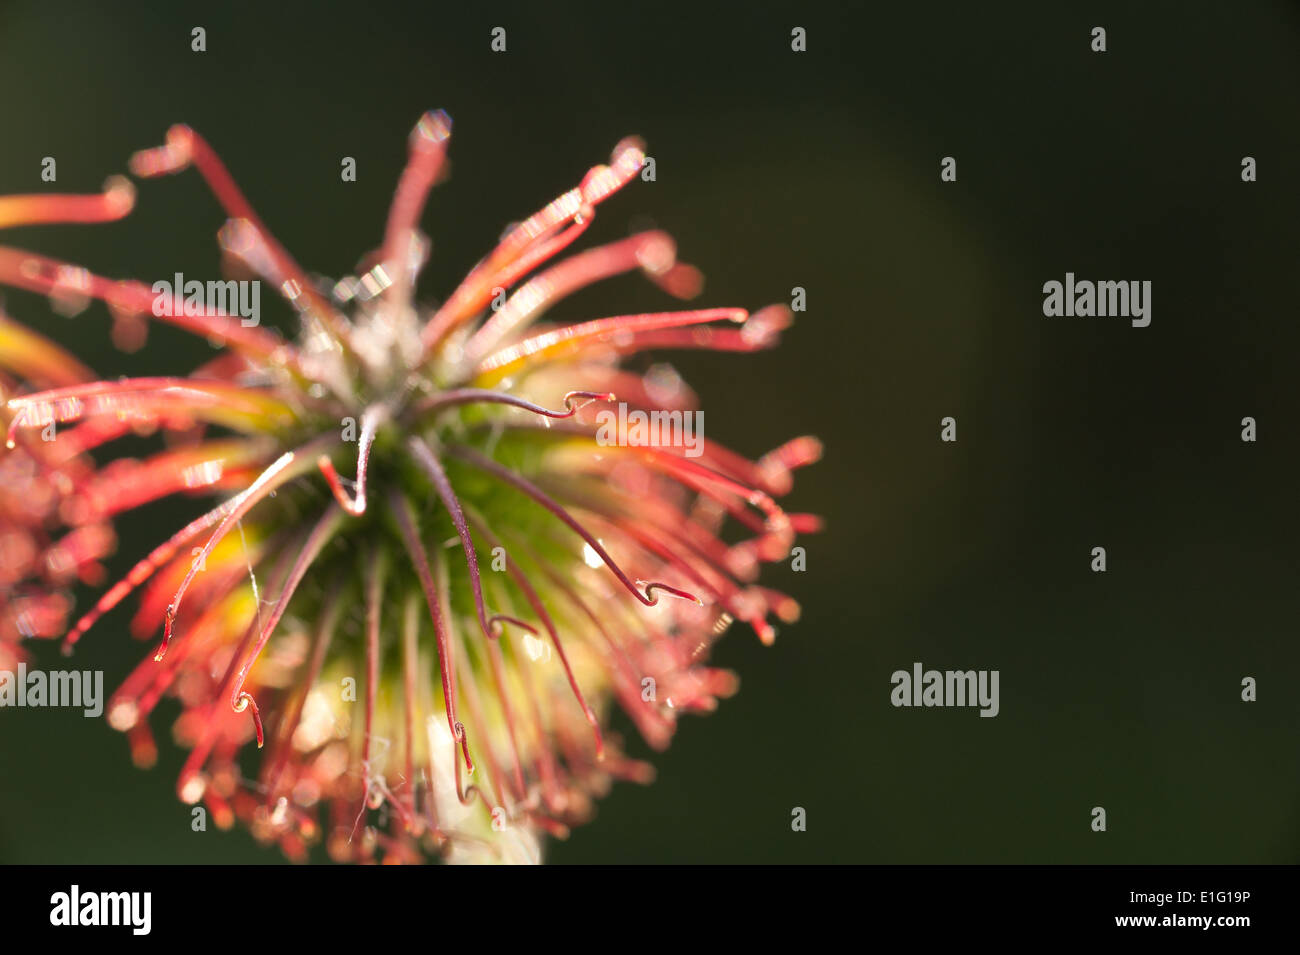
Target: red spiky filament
x=427 y=650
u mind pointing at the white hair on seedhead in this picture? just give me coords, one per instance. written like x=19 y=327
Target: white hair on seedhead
x=516 y=844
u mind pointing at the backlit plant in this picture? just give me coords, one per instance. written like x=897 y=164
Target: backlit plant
x=427 y=652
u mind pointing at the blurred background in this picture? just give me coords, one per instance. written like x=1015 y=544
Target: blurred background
x=819 y=169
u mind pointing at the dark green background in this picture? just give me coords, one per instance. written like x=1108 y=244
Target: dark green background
x=820 y=170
